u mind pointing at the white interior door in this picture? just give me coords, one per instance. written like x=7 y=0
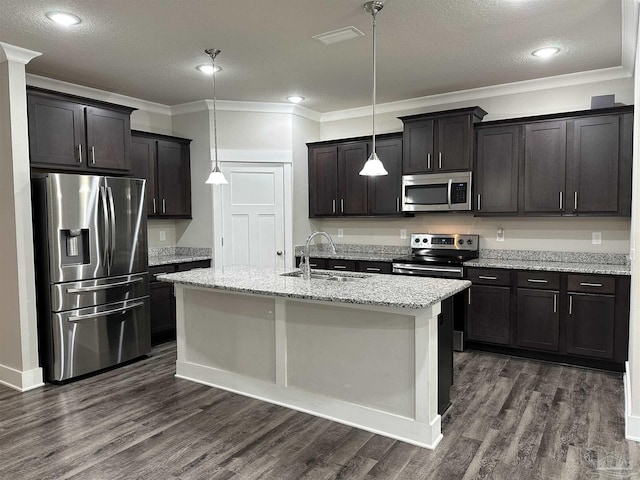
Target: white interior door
x=253 y=215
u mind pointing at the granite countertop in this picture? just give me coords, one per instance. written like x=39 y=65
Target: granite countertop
x=551 y=266
x=374 y=289
x=157 y=260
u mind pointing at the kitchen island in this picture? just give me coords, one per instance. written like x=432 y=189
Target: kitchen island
x=358 y=349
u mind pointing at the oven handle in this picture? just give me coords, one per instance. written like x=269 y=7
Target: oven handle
x=426 y=269
x=449 y=192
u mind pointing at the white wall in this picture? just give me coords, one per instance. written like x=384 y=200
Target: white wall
x=304 y=130
x=565 y=233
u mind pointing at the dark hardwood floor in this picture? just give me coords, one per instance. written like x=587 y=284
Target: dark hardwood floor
x=511 y=419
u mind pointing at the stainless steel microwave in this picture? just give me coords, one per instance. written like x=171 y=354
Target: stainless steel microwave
x=436 y=192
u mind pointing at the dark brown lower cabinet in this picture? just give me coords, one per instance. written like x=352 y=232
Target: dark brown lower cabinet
x=591 y=325
x=488 y=314
x=537 y=321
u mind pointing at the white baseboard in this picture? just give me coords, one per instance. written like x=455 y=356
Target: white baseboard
x=21 y=381
x=631 y=422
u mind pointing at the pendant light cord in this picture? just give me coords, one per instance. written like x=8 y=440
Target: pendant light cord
x=373 y=99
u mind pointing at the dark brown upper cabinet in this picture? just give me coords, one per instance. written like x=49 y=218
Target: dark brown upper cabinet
x=69 y=133
x=336 y=188
x=439 y=142
x=164 y=161
x=497 y=169
x=576 y=163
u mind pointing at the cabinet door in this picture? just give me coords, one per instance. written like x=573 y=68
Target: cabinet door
x=174 y=179
x=108 y=138
x=454 y=144
x=488 y=318
x=417 y=156
x=323 y=181
x=590 y=325
x=353 y=190
x=538 y=321
x=497 y=161
x=544 y=167
x=143 y=165
x=56 y=132
x=593 y=165
x=163 y=320
x=336 y=264
x=385 y=190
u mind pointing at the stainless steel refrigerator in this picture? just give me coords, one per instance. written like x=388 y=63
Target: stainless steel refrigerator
x=90 y=236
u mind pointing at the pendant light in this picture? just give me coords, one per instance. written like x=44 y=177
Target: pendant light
x=373 y=166
x=216 y=177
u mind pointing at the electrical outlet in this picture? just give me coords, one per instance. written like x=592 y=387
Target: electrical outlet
x=403 y=233
x=500 y=235
x=340 y=233
x=163 y=235
x=596 y=238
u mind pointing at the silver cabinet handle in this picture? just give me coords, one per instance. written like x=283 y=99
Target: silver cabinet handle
x=535 y=280
x=587 y=284
x=342 y=205
x=104 y=287
x=570 y=305
x=486 y=277
x=397 y=204
x=80 y=153
x=164 y=206
x=469 y=301
x=561 y=201
x=575 y=200
x=371 y=269
x=478 y=202
x=93 y=155
x=333 y=205
x=340 y=267
x=440 y=160
x=428 y=161
x=88 y=316
x=555 y=303
x=154 y=205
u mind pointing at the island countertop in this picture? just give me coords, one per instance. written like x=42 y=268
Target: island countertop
x=374 y=289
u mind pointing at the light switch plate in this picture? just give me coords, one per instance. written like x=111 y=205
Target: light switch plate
x=403 y=233
x=340 y=233
x=163 y=235
x=596 y=238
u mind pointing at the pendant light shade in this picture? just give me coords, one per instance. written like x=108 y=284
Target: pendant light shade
x=216 y=177
x=373 y=166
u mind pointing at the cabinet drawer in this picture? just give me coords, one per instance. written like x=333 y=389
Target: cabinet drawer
x=183 y=267
x=374 y=267
x=489 y=276
x=348 y=265
x=591 y=284
x=160 y=270
x=319 y=263
x=544 y=280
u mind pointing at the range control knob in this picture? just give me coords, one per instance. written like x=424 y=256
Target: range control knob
x=425 y=240
x=469 y=242
x=460 y=241
x=417 y=240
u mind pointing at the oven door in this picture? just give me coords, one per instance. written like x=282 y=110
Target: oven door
x=420 y=270
x=436 y=192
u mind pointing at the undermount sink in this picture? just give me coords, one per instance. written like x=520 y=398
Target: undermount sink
x=329 y=276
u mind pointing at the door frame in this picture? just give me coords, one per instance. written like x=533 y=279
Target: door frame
x=248 y=157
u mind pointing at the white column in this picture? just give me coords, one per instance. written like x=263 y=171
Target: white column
x=18 y=327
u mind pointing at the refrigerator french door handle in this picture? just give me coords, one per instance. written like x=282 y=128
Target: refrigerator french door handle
x=106 y=224
x=89 y=316
x=106 y=286
x=112 y=228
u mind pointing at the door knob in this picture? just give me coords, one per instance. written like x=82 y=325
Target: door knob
x=279 y=252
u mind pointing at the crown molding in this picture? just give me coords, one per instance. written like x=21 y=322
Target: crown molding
x=613 y=73
x=11 y=53
x=96 y=94
x=629 y=34
x=254 y=107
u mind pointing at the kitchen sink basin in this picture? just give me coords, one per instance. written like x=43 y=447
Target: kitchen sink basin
x=329 y=276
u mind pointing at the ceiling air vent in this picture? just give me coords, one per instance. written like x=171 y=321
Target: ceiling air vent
x=340 y=35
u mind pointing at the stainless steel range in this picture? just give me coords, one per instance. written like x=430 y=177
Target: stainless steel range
x=437 y=255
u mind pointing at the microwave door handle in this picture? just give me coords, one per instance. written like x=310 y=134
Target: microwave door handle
x=449 y=192
x=105 y=226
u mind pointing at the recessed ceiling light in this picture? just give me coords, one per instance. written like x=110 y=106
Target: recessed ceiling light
x=545 y=52
x=208 y=69
x=295 y=99
x=62 y=18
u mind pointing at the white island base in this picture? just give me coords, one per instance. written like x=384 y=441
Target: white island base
x=371 y=367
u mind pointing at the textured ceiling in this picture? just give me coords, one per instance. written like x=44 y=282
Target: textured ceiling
x=149 y=48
